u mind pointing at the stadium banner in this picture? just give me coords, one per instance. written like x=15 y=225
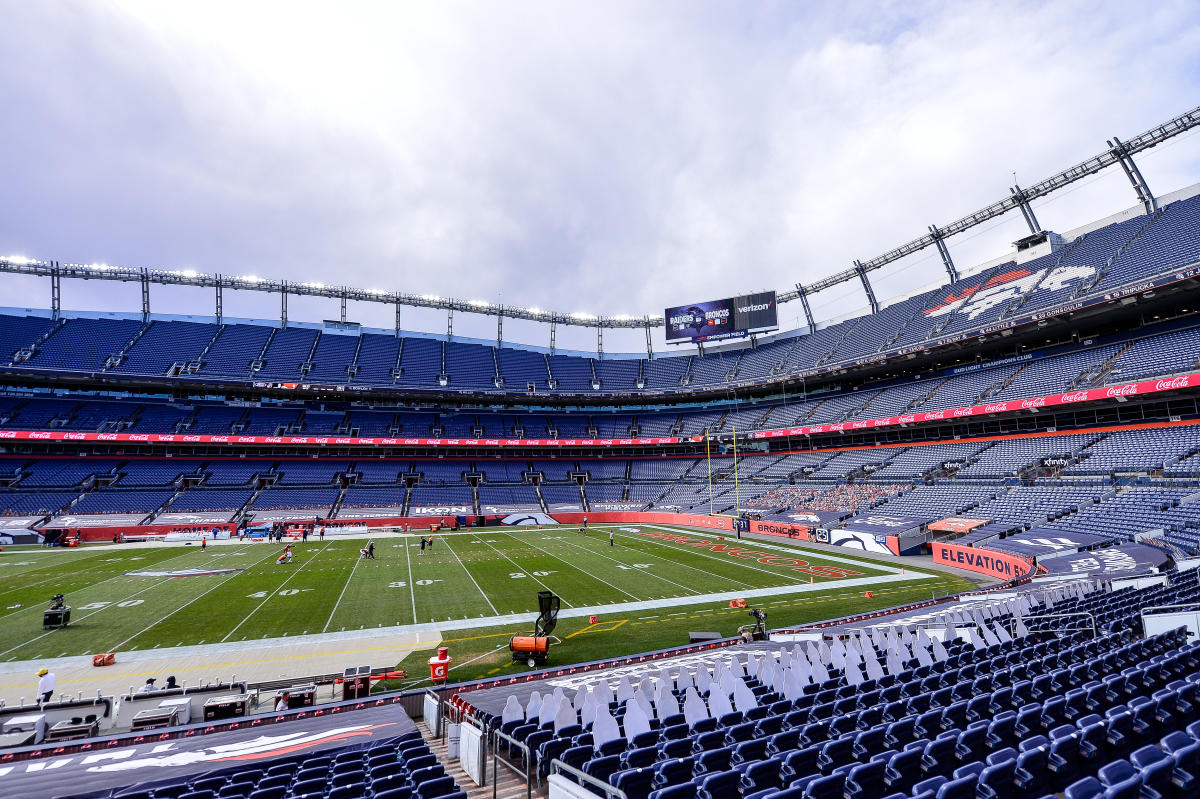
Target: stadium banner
x=721 y=319
x=783 y=528
x=957 y=524
x=1125 y=559
x=884 y=524
x=811 y=518
x=862 y=540
x=1055 y=400
x=194 y=517
x=325 y=441
x=1126 y=390
x=984 y=561
x=103 y=770
x=1042 y=543
x=18 y=522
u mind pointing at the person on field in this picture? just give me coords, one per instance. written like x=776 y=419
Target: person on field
x=610 y=538
x=148 y=687
x=46 y=683
x=431 y=543
x=422 y=552
x=362 y=553
x=371 y=551
x=203 y=542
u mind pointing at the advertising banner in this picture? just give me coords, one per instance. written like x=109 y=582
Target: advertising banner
x=1054 y=400
x=984 y=561
x=324 y=441
x=957 y=524
x=781 y=528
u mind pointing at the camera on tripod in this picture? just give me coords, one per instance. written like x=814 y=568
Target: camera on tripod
x=58 y=614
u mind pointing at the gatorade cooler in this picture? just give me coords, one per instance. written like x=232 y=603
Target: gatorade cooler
x=439 y=664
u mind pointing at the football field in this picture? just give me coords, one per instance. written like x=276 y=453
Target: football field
x=129 y=597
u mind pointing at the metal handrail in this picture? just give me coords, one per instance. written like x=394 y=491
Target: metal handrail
x=524 y=773
x=557 y=766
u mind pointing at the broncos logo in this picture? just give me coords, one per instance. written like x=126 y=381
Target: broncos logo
x=528 y=519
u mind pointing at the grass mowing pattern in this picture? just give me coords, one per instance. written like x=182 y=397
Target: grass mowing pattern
x=474 y=575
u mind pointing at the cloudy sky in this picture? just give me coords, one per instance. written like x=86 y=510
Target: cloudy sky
x=604 y=157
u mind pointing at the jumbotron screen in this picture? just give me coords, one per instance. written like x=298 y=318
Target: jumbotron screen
x=720 y=319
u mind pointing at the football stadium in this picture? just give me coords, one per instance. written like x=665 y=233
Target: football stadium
x=944 y=546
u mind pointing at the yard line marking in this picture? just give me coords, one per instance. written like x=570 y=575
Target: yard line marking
x=411 y=592
x=89 y=586
x=115 y=647
x=669 y=562
x=446 y=539
x=523 y=569
x=111 y=604
x=58 y=577
x=329 y=621
x=271 y=593
x=577 y=568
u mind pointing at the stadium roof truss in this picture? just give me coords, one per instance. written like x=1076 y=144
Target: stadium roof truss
x=1118 y=152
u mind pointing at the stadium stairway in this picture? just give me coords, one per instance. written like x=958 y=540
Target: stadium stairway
x=508 y=787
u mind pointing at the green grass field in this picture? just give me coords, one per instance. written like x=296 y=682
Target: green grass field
x=468 y=578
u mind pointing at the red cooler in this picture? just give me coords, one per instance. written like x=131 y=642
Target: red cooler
x=439 y=664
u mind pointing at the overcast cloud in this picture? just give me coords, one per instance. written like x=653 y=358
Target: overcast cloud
x=608 y=157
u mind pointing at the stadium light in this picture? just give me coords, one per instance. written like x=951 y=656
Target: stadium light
x=19 y=259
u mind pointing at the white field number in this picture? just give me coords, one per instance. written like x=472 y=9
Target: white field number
x=403 y=584
x=128 y=603
x=633 y=566
x=281 y=592
x=519 y=575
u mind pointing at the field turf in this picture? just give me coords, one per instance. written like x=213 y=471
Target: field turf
x=467 y=576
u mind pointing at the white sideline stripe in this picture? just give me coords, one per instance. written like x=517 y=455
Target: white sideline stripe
x=349 y=577
x=446 y=541
x=208 y=650
x=272 y=592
